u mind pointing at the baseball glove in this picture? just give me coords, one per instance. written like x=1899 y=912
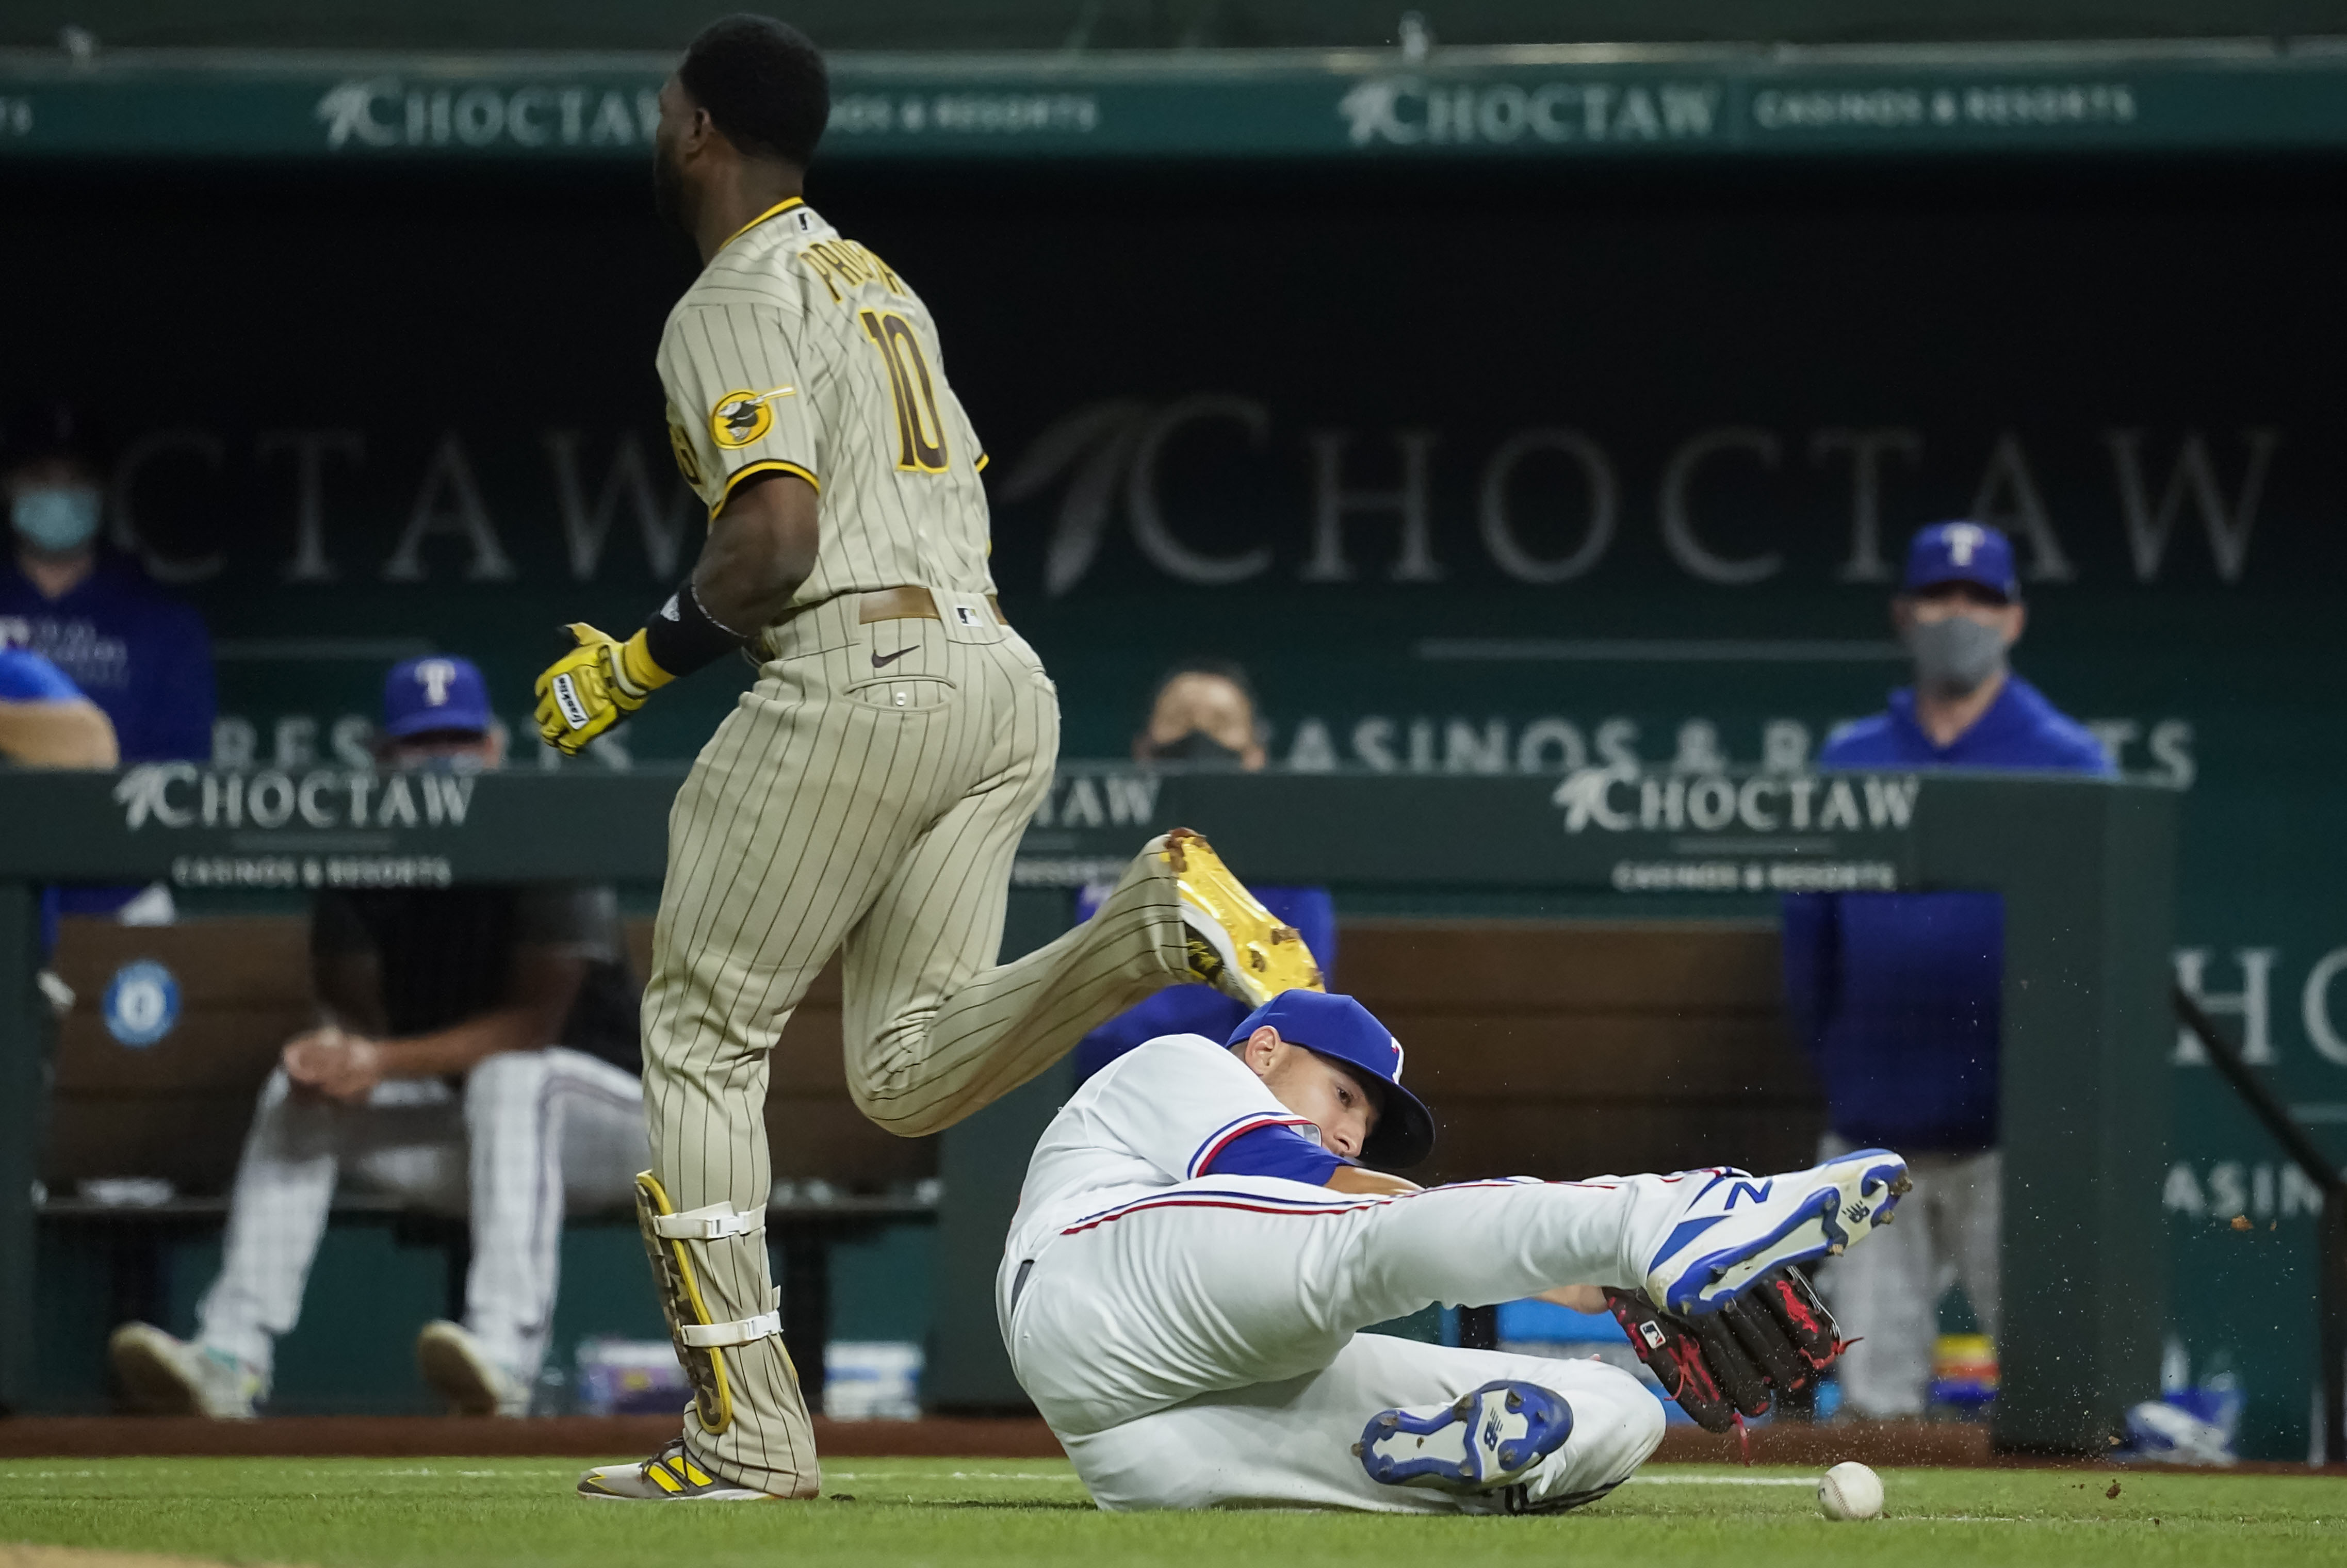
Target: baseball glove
x=1775 y=1339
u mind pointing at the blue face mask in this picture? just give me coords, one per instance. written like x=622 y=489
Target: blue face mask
x=55 y=517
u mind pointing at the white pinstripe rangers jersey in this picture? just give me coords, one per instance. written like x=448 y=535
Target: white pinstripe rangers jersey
x=799 y=350
x=1157 y=1117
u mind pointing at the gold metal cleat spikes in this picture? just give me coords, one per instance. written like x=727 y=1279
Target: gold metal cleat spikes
x=1235 y=944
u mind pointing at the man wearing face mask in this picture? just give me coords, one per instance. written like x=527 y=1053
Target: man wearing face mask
x=1897 y=996
x=475 y=1054
x=137 y=653
x=1203 y=716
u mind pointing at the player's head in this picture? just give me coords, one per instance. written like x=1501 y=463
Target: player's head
x=435 y=713
x=750 y=91
x=51 y=466
x=1204 y=712
x=1328 y=1058
x=1959 y=606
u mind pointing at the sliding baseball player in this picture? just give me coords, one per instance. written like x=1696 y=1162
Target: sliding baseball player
x=1196 y=1252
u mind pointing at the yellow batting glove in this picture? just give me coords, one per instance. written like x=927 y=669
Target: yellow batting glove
x=594 y=686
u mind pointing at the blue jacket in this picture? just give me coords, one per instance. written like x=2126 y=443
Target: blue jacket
x=27 y=677
x=130 y=648
x=1898 y=997
x=136 y=652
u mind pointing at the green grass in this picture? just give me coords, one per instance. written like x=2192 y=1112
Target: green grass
x=515 y=1513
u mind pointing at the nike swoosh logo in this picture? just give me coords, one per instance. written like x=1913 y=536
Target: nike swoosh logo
x=882 y=661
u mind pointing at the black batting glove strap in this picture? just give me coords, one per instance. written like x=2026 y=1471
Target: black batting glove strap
x=1776 y=1338
x=681 y=635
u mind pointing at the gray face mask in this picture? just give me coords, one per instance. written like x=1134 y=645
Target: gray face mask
x=1957 y=654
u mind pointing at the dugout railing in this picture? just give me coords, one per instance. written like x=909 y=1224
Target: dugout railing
x=2087 y=870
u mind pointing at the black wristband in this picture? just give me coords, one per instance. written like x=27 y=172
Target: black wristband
x=682 y=636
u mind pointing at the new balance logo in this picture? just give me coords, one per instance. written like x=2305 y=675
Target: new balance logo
x=1757 y=1191
x=1857 y=1212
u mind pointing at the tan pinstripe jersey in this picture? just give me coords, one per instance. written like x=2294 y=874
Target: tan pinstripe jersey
x=800 y=351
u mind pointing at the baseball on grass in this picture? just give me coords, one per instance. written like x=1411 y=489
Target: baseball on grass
x=1850 y=1490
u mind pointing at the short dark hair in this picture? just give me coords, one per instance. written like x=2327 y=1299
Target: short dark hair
x=764 y=85
x=1228 y=670
x=39 y=431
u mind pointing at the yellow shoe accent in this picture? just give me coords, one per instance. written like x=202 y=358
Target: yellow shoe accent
x=672 y=1475
x=1235 y=944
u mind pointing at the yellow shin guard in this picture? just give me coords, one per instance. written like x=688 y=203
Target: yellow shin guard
x=701 y=1344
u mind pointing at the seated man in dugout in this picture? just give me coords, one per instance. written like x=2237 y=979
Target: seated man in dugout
x=477 y=1055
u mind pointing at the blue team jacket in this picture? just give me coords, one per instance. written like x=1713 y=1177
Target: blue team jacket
x=129 y=647
x=133 y=649
x=1896 y=997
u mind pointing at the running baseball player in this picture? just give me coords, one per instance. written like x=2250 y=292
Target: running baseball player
x=1196 y=1252
x=476 y=1055
x=867 y=793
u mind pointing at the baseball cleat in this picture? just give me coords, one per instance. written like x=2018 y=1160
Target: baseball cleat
x=173 y=1378
x=672 y=1475
x=1739 y=1226
x=1484 y=1439
x=462 y=1372
x=1235 y=944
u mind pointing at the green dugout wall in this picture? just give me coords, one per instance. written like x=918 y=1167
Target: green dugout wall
x=1492 y=457
x=2086 y=869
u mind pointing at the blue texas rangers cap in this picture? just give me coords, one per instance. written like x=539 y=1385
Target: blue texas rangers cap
x=1341 y=1028
x=1962 y=552
x=440 y=691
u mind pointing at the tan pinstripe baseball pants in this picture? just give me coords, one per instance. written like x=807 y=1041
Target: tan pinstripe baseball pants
x=868 y=793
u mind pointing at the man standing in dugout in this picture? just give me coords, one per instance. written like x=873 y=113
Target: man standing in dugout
x=867 y=793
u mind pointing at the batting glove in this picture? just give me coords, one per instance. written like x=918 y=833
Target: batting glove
x=594 y=686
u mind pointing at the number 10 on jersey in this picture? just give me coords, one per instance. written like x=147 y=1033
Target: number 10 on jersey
x=920 y=433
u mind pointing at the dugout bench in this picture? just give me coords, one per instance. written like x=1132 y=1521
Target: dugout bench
x=2086 y=869
x=177 y=1111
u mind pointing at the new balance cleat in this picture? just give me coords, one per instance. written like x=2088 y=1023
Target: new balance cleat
x=464 y=1373
x=173 y=1378
x=1739 y=1226
x=1235 y=944
x=1483 y=1440
x=672 y=1475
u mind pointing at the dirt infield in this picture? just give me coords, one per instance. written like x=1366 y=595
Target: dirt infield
x=408 y=1437
x=1884 y=1444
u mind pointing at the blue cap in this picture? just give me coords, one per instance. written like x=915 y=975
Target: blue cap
x=1341 y=1028
x=440 y=691
x=1962 y=552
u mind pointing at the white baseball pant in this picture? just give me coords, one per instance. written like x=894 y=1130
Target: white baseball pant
x=1886 y=1294
x=1200 y=1347
x=531 y=1134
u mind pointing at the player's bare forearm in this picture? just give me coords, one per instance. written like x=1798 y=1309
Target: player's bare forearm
x=1372 y=1184
x=545 y=983
x=348 y=988
x=70 y=734
x=761 y=547
x=347 y=1063
x=1578 y=1297
x=457 y=1049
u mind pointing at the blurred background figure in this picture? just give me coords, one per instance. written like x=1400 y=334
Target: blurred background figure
x=46 y=722
x=1203 y=715
x=1204 y=712
x=141 y=655
x=477 y=1054
x=1897 y=996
